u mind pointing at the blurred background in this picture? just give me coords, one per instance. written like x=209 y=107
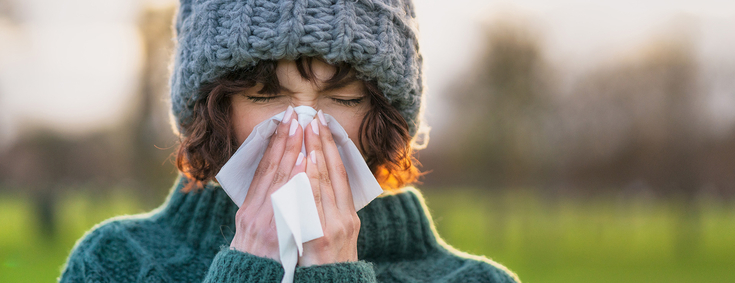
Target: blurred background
x=571 y=141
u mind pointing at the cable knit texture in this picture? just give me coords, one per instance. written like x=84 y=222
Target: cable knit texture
x=377 y=37
x=187 y=239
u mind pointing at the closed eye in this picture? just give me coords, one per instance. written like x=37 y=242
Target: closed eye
x=261 y=98
x=349 y=102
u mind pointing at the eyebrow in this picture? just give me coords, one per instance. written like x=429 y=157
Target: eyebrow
x=332 y=86
x=341 y=83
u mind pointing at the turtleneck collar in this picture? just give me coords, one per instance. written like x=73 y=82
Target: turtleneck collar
x=393 y=226
x=396 y=227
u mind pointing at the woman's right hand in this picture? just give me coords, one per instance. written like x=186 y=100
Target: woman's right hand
x=255 y=227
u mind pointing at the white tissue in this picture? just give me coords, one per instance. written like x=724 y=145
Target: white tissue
x=297 y=220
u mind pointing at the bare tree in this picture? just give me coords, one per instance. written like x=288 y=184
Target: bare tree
x=44 y=163
x=502 y=102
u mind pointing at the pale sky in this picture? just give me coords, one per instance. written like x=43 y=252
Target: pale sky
x=73 y=65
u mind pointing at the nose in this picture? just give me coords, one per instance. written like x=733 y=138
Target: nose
x=305 y=113
x=304 y=99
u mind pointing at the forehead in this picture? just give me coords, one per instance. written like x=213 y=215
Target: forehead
x=314 y=75
x=289 y=75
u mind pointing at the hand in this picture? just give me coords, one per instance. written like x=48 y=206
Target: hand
x=333 y=199
x=255 y=228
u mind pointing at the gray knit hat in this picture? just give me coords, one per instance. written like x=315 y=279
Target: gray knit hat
x=377 y=37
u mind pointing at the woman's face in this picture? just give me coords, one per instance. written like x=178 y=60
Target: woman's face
x=347 y=104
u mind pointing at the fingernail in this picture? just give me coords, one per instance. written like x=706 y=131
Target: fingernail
x=288 y=113
x=299 y=159
x=312 y=156
x=321 y=117
x=294 y=125
x=314 y=127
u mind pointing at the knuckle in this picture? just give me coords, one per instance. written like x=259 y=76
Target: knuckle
x=313 y=177
x=356 y=223
x=253 y=227
x=265 y=166
x=328 y=137
x=269 y=167
x=274 y=139
x=338 y=231
x=341 y=232
x=327 y=240
x=272 y=166
x=324 y=178
x=293 y=145
x=240 y=212
x=282 y=130
x=316 y=147
x=318 y=198
x=341 y=172
x=279 y=177
x=261 y=169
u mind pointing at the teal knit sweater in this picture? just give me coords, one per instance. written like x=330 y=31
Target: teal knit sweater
x=187 y=239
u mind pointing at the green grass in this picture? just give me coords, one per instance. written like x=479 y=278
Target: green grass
x=590 y=240
x=542 y=239
x=28 y=256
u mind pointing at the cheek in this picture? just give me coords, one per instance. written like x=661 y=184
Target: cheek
x=243 y=124
x=352 y=128
x=245 y=117
x=350 y=121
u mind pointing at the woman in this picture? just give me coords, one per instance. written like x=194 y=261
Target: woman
x=239 y=63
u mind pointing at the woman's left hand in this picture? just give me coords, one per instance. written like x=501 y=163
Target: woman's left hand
x=333 y=199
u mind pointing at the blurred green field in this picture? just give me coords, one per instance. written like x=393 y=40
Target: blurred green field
x=542 y=239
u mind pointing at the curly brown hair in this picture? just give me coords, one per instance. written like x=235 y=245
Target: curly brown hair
x=207 y=141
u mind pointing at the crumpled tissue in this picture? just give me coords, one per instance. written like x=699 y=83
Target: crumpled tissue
x=294 y=208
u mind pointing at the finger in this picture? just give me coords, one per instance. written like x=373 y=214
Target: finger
x=337 y=172
x=269 y=162
x=311 y=136
x=290 y=155
x=329 y=201
x=299 y=167
x=312 y=171
x=314 y=147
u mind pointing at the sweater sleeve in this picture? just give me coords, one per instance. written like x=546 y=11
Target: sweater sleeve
x=74 y=269
x=360 y=271
x=235 y=266
x=103 y=255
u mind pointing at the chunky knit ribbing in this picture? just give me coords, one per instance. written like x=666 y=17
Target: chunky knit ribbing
x=187 y=239
x=378 y=38
x=338 y=272
x=243 y=267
